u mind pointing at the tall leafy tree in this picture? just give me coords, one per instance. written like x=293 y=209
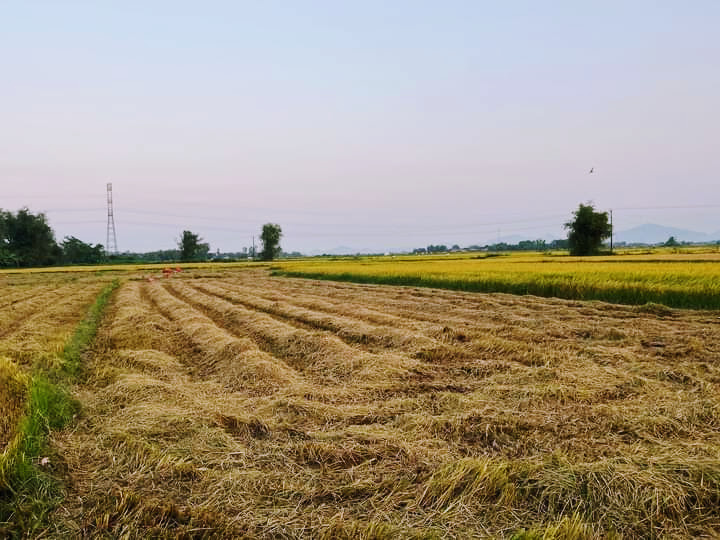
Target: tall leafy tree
x=78 y=252
x=192 y=247
x=587 y=230
x=270 y=238
x=26 y=239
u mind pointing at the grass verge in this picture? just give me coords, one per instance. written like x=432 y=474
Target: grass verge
x=86 y=331
x=28 y=490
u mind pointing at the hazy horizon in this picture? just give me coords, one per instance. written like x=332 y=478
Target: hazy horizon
x=369 y=125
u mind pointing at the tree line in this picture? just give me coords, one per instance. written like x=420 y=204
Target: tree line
x=27 y=240
x=522 y=245
x=192 y=248
x=586 y=233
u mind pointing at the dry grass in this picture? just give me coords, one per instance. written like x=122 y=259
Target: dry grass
x=37 y=315
x=248 y=406
x=236 y=361
x=35 y=327
x=38 y=337
x=13 y=392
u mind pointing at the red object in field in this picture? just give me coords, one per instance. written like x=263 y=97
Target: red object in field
x=178 y=269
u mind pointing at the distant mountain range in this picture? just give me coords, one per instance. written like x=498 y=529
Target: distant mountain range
x=656 y=234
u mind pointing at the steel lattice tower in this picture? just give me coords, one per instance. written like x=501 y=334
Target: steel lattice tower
x=111 y=245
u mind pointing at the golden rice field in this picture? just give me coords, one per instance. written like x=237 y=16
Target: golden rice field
x=689 y=280
x=236 y=404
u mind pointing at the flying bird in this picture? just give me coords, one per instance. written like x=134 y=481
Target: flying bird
x=591 y=170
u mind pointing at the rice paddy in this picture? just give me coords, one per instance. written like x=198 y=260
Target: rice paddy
x=690 y=280
x=221 y=403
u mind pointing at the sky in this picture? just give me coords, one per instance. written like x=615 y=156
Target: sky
x=374 y=125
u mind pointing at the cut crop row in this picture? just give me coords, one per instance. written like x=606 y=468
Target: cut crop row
x=467 y=340
x=320 y=354
x=352 y=330
x=46 y=323
x=235 y=361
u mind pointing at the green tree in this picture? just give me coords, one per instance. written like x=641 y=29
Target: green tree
x=78 y=252
x=587 y=230
x=671 y=242
x=26 y=239
x=270 y=238
x=192 y=247
x=7 y=257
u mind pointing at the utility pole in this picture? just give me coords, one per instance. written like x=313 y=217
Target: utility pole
x=253 y=244
x=111 y=244
x=612 y=232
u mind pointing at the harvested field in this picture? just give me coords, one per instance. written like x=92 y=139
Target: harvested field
x=36 y=324
x=39 y=313
x=246 y=405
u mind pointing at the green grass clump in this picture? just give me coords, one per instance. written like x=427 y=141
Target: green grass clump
x=86 y=331
x=27 y=491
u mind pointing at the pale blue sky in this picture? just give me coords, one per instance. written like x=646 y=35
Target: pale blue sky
x=368 y=124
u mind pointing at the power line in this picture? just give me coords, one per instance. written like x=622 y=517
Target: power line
x=176 y=226
x=535 y=219
x=416 y=232
x=686 y=207
x=299 y=229
x=79 y=222
x=125 y=211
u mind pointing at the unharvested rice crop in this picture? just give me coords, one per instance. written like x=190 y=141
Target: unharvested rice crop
x=680 y=281
x=248 y=405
